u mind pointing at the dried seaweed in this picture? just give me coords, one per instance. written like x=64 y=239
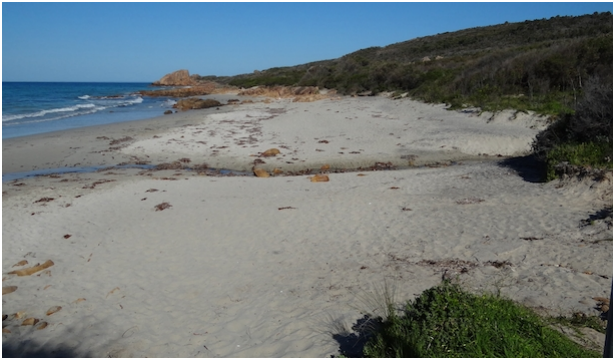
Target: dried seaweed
x=162 y=206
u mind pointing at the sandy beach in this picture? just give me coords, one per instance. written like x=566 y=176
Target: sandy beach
x=185 y=263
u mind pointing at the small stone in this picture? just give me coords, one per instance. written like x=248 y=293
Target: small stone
x=319 y=178
x=260 y=173
x=271 y=152
x=30 y=321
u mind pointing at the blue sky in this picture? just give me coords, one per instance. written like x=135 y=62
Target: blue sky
x=141 y=42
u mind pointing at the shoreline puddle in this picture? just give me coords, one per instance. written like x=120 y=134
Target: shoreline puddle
x=8 y=177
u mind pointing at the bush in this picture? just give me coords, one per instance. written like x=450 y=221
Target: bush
x=584 y=138
x=448 y=322
x=590 y=154
x=593 y=120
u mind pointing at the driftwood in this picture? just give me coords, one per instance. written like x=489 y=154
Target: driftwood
x=31 y=270
x=8 y=289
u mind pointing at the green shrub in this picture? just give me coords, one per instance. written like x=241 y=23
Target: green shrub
x=595 y=155
x=583 y=138
x=536 y=65
x=445 y=321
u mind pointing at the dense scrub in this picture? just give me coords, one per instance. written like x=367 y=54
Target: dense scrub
x=538 y=65
x=583 y=138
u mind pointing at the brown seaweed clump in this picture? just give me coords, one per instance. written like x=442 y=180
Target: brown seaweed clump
x=162 y=206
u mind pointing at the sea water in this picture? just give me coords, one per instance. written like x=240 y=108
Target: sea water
x=40 y=107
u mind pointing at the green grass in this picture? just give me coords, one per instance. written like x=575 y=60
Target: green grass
x=595 y=155
x=445 y=321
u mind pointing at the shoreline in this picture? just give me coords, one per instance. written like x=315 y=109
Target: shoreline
x=230 y=137
x=174 y=263
x=44 y=147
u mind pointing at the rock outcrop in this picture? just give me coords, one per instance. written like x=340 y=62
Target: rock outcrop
x=198 y=90
x=196 y=103
x=177 y=78
x=299 y=94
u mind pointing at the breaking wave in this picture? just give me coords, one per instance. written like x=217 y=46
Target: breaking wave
x=93 y=105
x=88 y=108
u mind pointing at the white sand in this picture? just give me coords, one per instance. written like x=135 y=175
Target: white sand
x=251 y=267
x=343 y=133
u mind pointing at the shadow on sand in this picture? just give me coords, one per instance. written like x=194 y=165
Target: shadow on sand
x=527 y=167
x=352 y=345
x=26 y=350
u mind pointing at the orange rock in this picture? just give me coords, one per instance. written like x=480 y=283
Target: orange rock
x=319 y=178
x=260 y=173
x=177 y=78
x=602 y=303
x=325 y=167
x=601 y=299
x=21 y=263
x=277 y=171
x=30 y=321
x=5 y=330
x=79 y=300
x=18 y=315
x=271 y=152
x=42 y=325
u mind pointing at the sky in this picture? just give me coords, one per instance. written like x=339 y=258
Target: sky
x=141 y=42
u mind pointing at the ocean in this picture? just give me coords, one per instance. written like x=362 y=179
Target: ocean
x=39 y=107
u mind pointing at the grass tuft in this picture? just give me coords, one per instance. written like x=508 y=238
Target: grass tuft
x=445 y=321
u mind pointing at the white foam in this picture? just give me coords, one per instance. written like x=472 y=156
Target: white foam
x=94 y=110
x=49 y=111
x=168 y=103
x=76 y=110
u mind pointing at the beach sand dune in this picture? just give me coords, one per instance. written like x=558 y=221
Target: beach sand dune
x=172 y=263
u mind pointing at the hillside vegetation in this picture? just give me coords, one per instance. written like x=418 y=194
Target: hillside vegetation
x=538 y=65
x=544 y=66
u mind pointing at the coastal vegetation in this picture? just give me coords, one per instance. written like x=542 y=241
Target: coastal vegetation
x=560 y=67
x=538 y=65
x=583 y=138
x=446 y=321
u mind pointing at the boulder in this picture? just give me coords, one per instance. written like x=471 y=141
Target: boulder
x=200 y=90
x=177 y=78
x=196 y=103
